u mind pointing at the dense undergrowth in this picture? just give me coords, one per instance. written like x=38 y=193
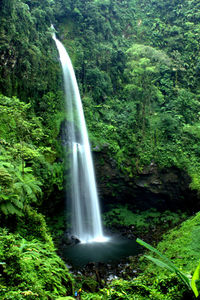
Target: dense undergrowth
x=30 y=268
x=141 y=222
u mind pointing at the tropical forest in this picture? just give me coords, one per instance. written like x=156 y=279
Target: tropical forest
x=99 y=149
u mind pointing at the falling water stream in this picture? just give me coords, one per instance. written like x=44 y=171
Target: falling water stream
x=86 y=219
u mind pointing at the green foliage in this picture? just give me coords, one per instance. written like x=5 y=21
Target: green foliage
x=138 y=289
x=26 y=153
x=19 y=147
x=181 y=253
x=139 y=78
x=89 y=284
x=195 y=281
x=167 y=264
x=27 y=68
x=132 y=62
x=27 y=186
x=184 y=244
x=32 y=225
x=64 y=298
x=137 y=64
x=164 y=262
x=140 y=66
x=141 y=221
x=31 y=269
x=57 y=226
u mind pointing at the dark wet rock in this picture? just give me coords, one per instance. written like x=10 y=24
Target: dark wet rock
x=69 y=240
x=152 y=187
x=75 y=240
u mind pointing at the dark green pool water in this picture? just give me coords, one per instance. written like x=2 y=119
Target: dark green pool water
x=111 y=251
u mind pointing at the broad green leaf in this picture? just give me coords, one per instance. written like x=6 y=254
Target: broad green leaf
x=149 y=247
x=160 y=263
x=195 y=277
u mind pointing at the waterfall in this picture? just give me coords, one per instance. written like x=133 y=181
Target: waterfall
x=86 y=219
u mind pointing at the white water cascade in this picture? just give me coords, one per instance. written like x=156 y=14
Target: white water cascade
x=86 y=220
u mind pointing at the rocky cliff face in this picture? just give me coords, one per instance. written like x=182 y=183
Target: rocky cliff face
x=163 y=189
